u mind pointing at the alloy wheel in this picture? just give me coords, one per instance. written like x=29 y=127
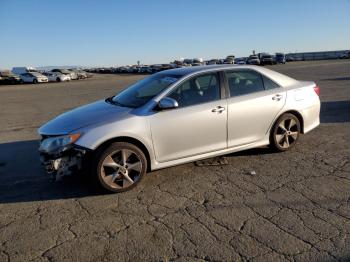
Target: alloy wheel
x=287 y=133
x=121 y=169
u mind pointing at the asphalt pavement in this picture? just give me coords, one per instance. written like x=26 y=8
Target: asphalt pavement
x=258 y=206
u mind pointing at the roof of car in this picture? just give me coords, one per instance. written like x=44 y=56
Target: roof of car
x=280 y=79
x=197 y=69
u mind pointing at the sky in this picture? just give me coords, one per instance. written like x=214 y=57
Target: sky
x=112 y=33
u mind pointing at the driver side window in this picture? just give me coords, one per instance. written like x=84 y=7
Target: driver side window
x=197 y=90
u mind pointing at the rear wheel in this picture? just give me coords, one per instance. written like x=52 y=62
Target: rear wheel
x=120 y=167
x=285 y=132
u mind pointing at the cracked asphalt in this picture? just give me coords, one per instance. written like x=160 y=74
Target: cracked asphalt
x=295 y=208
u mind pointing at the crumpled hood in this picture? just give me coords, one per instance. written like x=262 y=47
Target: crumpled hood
x=83 y=116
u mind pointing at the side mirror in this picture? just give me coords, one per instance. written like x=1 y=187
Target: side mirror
x=167 y=103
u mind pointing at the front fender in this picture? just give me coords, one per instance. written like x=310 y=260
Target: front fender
x=136 y=127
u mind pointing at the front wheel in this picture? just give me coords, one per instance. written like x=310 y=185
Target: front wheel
x=120 y=167
x=285 y=132
x=35 y=81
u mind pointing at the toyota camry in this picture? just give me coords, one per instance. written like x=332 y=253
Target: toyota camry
x=178 y=116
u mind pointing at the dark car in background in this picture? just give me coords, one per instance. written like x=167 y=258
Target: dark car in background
x=213 y=62
x=280 y=58
x=7 y=77
x=345 y=55
x=197 y=62
x=267 y=59
x=290 y=58
x=165 y=67
x=241 y=60
x=155 y=68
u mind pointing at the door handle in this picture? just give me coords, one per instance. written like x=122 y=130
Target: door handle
x=277 y=97
x=218 y=109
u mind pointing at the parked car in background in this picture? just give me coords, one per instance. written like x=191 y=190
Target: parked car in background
x=144 y=69
x=7 y=77
x=213 y=62
x=229 y=60
x=73 y=75
x=290 y=58
x=177 y=64
x=88 y=74
x=187 y=62
x=132 y=69
x=80 y=73
x=345 y=55
x=165 y=67
x=253 y=60
x=56 y=76
x=197 y=62
x=33 y=77
x=267 y=59
x=280 y=58
x=241 y=60
x=22 y=70
x=155 y=68
x=123 y=69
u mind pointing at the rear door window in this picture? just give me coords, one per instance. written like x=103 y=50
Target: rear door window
x=269 y=84
x=244 y=82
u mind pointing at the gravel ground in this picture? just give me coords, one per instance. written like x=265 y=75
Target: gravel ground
x=295 y=208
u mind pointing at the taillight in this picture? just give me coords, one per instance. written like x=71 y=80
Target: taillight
x=317 y=90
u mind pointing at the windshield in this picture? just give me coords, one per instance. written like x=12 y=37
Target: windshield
x=64 y=71
x=142 y=91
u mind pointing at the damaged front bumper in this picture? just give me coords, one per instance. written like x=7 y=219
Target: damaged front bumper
x=65 y=163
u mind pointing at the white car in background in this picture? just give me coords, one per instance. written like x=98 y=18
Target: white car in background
x=56 y=77
x=80 y=73
x=23 y=70
x=72 y=75
x=33 y=77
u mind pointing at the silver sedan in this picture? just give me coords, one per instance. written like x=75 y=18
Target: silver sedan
x=178 y=116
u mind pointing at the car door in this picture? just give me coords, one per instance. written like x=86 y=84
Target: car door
x=254 y=102
x=197 y=126
x=52 y=76
x=26 y=77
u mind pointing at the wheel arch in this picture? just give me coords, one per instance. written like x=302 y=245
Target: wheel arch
x=130 y=140
x=297 y=114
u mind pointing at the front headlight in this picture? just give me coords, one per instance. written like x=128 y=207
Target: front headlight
x=58 y=143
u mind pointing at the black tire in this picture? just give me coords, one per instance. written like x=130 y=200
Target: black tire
x=35 y=81
x=285 y=132
x=58 y=79
x=102 y=171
